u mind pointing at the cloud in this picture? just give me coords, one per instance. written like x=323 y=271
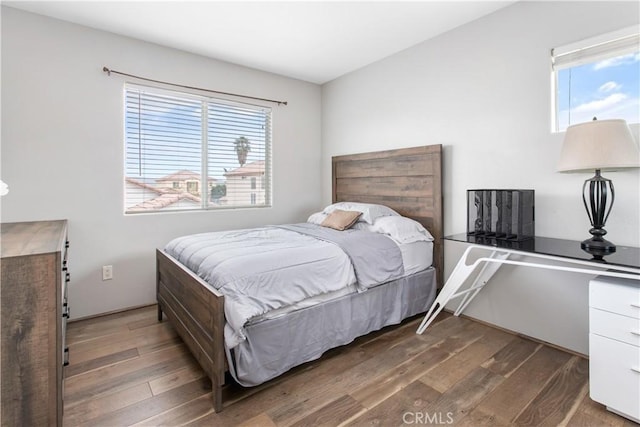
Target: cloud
x=609 y=87
x=628 y=110
x=618 y=60
x=601 y=104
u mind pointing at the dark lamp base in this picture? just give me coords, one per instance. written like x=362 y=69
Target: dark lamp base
x=598 y=247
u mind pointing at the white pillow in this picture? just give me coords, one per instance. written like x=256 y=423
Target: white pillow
x=317 y=218
x=401 y=229
x=370 y=212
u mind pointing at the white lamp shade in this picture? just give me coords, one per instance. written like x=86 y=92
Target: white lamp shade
x=598 y=144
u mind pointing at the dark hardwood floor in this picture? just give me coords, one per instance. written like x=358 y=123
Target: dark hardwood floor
x=129 y=369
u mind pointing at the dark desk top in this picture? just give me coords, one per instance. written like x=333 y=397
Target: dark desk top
x=625 y=256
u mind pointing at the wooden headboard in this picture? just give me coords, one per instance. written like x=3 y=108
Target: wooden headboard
x=408 y=180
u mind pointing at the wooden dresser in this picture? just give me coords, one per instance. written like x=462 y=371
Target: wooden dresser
x=33 y=318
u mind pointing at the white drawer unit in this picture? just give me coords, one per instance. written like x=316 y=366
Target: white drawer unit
x=614 y=345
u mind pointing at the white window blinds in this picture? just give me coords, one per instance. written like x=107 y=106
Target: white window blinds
x=618 y=43
x=186 y=152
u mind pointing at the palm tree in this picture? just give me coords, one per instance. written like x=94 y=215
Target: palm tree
x=243 y=146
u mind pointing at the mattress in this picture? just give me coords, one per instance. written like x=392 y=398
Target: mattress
x=416 y=256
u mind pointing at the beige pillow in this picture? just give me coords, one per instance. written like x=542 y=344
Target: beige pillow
x=341 y=220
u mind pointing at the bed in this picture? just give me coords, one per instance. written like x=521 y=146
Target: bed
x=406 y=180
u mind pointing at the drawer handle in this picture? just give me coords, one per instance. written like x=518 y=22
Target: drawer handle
x=67 y=277
x=635 y=305
x=66 y=357
x=635 y=333
x=635 y=370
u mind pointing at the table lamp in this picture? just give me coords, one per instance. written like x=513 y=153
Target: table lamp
x=598 y=145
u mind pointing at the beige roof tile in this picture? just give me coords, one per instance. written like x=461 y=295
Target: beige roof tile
x=253 y=168
x=166 y=197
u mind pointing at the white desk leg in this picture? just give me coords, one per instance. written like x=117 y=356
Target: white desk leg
x=459 y=275
x=487 y=272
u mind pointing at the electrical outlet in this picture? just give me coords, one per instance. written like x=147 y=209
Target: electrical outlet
x=107 y=272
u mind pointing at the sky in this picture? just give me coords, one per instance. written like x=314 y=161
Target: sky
x=607 y=89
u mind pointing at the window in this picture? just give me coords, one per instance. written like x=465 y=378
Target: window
x=598 y=77
x=177 y=144
x=192 y=187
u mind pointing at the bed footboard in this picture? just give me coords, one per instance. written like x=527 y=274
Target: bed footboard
x=197 y=312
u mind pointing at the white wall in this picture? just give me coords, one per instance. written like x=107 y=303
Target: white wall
x=62 y=149
x=483 y=91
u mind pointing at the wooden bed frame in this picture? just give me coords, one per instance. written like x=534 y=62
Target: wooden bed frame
x=407 y=180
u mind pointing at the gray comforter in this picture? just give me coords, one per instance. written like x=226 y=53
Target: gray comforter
x=375 y=258
x=267 y=268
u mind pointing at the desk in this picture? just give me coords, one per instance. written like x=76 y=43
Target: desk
x=624 y=263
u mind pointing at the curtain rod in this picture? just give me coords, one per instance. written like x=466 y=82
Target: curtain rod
x=109 y=71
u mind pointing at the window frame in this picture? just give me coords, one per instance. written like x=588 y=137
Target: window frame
x=206 y=102
x=586 y=51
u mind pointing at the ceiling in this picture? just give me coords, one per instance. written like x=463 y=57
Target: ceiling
x=312 y=41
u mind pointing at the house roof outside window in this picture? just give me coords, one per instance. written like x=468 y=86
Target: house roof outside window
x=249 y=169
x=183 y=175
